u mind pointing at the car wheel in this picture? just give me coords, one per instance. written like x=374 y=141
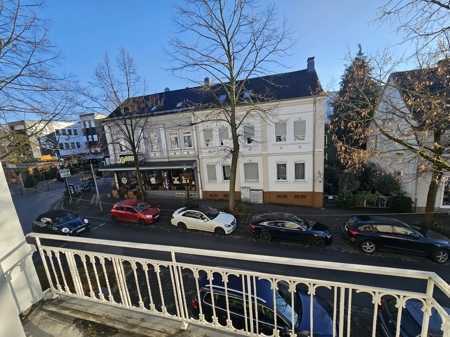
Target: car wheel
x=181 y=225
x=440 y=256
x=265 y=236
x=219 y=231
x=368 y=247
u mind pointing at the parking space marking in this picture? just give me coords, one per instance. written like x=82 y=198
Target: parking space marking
x=98 y=226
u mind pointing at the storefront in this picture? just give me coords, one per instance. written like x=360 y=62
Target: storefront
x=157 y=176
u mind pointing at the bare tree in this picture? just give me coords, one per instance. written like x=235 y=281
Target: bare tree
x=229 y=41
x=114 y=90
x=29 y=87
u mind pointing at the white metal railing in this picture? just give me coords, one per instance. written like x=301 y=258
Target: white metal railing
x=166 y=286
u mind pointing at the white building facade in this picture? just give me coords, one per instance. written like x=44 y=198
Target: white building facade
x=281 y=150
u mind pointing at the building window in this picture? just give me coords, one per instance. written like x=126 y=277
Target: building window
x=174 y=141
x=61 y=146
x=66 y=146
x=249 y=134
x=187 y=139
x=446 y=193
x=208 y=136
x=300 y=130
x=211 y=173
x=282 y=171
x=78 y=145
x=226 y=170
x=57 y=132
x=251 y=173
x=154 y=142
x=94 y=138
x=69 y=132
x=280 y=132
x=75 y=132
x=72 y=145
x=92 y=124
x=223 y=135
x=85 y=124
x=63 y=131
x=299 y=171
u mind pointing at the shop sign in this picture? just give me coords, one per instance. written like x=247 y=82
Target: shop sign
x=126 y=159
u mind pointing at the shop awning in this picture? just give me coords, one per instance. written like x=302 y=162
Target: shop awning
x=156 y=165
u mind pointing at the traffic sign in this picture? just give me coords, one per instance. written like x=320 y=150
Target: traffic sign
x=64 y=173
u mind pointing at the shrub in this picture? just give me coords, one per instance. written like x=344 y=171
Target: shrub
x=345 y=200
x=386 y=184
x=401 y=203
x=29 y=181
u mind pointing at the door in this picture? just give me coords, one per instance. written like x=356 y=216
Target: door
x=192 y=220
x=130 y=214
x=409 y=240
x=293 y=231
x=385 y=236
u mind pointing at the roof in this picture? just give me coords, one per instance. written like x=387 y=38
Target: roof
x=377 y=218
x=290 y=85
x=275 y=216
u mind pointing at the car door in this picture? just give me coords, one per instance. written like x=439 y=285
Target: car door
x=192 y=219
x=385 y=235
x=410 y=241
x=130 y=214
x=274 y=228
x=293 y=231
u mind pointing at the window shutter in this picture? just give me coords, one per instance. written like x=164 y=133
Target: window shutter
x=300 y=130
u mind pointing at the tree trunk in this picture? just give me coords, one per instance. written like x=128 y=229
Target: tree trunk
x=233 y=172
x=139 y=178
x=436 y=179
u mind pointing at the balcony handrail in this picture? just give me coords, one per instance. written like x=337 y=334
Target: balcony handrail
x=317 y=264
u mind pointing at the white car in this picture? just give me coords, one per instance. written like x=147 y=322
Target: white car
x=209 y=220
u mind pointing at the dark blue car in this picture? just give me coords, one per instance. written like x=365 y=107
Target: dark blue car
x=60 y=222
x=411 y=324
x=287 y=315
x=286 y=226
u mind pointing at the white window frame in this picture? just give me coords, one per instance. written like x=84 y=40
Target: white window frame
x=174 y=135
x=276 y=171
x=223 y=172
x=211 y=141
x=222 y=141
x=257 y=172
x=275 y=131
x=187 y=134
x=154 y=141
x=293 y=130
x=304 y=170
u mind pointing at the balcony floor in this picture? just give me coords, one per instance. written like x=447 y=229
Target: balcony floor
x=72 y=317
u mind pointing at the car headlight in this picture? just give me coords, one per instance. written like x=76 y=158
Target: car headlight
x=65 y=230
x=149 y=216
x=228 y=225
x=86 y=221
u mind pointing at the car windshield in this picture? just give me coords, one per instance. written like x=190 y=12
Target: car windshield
x=211 y=212
x=283 y=299
x=63 y=218
x=142 y=206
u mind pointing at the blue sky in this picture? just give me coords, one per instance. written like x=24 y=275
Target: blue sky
x=84 y=30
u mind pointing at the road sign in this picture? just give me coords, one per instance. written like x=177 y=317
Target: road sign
x=64 y=173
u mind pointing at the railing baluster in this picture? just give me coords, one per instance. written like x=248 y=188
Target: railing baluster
x=91 y=291
x=44 y=262
x=427 y=308
x=274 y=286
x=334 y=310
x=250 y=303
x=312 y=292
x=292 y=290
x=58 y=258
x=399 y=304
x=52 y=266
x=105 y=274
x=183 y=296
x=213 y=304
x=227 y=302
x=174 y=282
x=152 y=303
x=99 y=287
x=349 y=312
x=116 y=267
x=74 y=273
x=158 y=278
x=341 y=311
x=134 y=266
x=244 y=302
x=256 y=304
x=376 y=302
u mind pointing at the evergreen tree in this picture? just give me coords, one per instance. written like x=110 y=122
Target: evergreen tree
x=354 y=108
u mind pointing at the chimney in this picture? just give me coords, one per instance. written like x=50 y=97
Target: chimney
x=310 y=64
x=206 y=82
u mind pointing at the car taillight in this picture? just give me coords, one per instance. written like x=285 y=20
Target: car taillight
x=352 y=232
x=252 y=227
x=194 y=304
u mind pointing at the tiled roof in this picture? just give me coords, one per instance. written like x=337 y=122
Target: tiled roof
x=296 y=84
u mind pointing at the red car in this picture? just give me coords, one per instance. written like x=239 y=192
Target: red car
x=135 y=211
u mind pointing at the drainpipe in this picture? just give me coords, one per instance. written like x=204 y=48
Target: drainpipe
x=197 y=151
x=314 y=150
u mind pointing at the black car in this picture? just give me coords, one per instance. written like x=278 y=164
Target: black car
x=371 y=233
x=411 y=323
x=286 y=226
x=288 y=316
x=60 y=222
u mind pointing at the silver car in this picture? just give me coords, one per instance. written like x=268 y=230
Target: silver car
x=206 y=219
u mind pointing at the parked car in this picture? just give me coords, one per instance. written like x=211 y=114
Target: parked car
x=131 y=210
x=371 y=233
x=287 y=315
x=411 y=324
x=60 y=222
x=204 y=219
x=287 y=226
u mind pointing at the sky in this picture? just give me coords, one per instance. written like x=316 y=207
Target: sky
x=84 y=30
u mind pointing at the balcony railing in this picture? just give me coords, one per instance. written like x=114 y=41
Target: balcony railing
x=240 y=293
